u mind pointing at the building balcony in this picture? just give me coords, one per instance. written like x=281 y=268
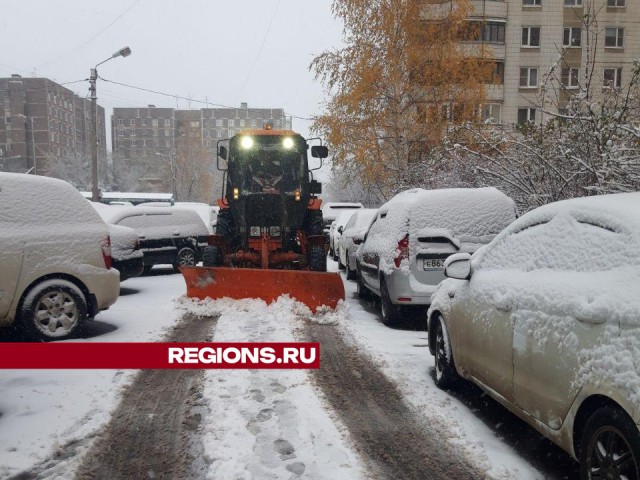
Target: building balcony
x=494 y=92
x=489 y=8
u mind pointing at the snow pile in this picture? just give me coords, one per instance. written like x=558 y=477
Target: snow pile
x=284 y=306
x=472 y=216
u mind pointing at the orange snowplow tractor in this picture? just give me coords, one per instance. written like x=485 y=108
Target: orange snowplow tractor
x=314 y=289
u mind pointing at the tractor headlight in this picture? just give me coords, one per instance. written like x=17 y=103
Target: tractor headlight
x=246 y=142
x=288 y=143
x=254 y=231
x=236 y=193
x=274 y=231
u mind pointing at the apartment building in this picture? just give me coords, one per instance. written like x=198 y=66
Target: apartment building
x=46 y=130
x=148 y=142
x=529 y=37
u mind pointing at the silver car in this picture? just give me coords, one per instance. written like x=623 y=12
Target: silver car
x=403 y=255
x=546 y=319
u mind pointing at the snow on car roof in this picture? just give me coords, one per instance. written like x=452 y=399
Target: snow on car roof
x=23 y=196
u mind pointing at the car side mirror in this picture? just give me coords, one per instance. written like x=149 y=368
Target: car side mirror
x=315 y=187
x=458 y=266
x=319 y=151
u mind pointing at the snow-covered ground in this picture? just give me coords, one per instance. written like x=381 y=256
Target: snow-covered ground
x=260 y=423
x=404 y=357
x=41 y=411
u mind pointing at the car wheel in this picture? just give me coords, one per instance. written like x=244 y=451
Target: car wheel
x=186 y=257
x=390 y=312
x=54 y=310
x=351 y=274
x=610 y=446
x=446 y=375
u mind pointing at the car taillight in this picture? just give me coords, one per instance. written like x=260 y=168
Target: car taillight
x=106 y=252
x=403 y=250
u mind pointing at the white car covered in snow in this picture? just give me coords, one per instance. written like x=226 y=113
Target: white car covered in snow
x=55 y=257
x=352 y=237
x=402 y=259
x=546 y=319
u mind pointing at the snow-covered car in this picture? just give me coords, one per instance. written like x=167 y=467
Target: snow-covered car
x=55 y=259
x=127 y=257
x=546 y=319
x=335 y=232
x=204 y=210
x=402 y=259
x=167 y=235
x=331 y=211
x=352 y=236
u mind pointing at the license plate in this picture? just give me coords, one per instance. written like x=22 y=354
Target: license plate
x=433 y=264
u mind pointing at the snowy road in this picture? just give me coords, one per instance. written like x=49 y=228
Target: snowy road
x=276 y=424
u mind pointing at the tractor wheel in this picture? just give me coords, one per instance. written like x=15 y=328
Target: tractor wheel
x=317 y=260
x=211 y=257
x=313 y=223
x=225 y=224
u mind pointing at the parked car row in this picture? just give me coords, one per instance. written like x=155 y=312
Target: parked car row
x=62 y=258
x=541 y=312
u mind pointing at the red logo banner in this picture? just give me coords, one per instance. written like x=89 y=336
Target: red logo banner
x=70 y=355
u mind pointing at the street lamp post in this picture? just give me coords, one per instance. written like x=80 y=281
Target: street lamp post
x=123 y=52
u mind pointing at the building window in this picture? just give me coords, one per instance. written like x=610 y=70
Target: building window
x=154 y=122
x=253 y=122
x=530 y=36
x=570 y=77
x=242 y=122
x=613 y=77
x=231 y=133
x=572 y=37
x=531 y=3
x=615 y=3
x=143 y=122
x=167 y=122
x=231 y=123
x=132 y=122
x=194 y=124
x=167 y=133
x=614 y=37
x=219 y=133
x=526 y=115
x=493 y=32
x=121 y=133
x=120 y=121
x=218 y=123
x=491 y=113
x=572 y=3
x=528 y=77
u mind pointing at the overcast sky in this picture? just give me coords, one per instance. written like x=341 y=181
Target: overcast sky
x=225 y=52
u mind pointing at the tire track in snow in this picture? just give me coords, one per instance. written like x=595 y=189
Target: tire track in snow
x=150 y=434
x=381 y=425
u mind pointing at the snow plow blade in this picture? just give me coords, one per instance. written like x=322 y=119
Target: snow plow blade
x=314 y=289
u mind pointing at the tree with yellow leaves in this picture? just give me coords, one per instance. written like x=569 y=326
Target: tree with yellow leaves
x=404 y=76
